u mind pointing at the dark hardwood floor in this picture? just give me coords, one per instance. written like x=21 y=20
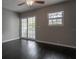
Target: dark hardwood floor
x=26 y=49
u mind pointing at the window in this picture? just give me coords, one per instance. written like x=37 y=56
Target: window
x=55 y=18
x=28 y=27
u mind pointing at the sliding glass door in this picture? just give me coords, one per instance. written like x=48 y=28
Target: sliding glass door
x=28 y=28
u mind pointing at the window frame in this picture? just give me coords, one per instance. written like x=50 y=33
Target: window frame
x=62 y=18
x=27 y=27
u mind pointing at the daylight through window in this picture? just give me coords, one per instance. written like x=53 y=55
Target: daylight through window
x=55 y=18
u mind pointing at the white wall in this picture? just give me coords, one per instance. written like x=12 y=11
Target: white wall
x=10 y=25
x=59 y=35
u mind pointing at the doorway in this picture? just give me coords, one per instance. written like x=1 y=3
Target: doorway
x=28 y=28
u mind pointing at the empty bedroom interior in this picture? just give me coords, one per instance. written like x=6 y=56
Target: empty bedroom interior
x=39 y=30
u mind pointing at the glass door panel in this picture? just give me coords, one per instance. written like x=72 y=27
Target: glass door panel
x=24 y=28
x=31 y=27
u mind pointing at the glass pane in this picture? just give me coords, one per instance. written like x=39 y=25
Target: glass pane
x=59 y=21
x=24 y=28
x=31 y=27
x=50 y=22
x=54 y=21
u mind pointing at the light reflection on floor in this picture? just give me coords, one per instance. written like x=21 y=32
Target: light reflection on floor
x=30 y=47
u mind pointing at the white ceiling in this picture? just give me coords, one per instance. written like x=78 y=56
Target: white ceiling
x=13 y=5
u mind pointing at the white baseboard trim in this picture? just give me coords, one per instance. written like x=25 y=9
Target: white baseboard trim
x=58 y=44
x=10 y=40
